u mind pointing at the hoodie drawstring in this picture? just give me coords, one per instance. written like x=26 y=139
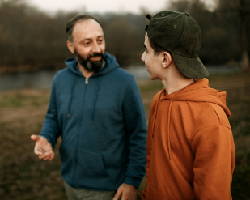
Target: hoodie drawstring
x=71 y=95
x=168 y=147
x=168 y=130
x=96 y=96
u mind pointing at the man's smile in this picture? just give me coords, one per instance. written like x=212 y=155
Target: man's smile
x=95 y=59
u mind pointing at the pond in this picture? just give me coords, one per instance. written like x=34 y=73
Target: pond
x=43 y=79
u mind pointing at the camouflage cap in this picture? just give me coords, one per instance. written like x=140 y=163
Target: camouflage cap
x=180 y=34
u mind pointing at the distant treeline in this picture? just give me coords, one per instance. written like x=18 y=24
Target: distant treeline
x=35 y=39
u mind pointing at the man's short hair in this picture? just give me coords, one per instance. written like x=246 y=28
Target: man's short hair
x=71 y=23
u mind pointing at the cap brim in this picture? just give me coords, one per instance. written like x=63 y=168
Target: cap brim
x=190 y=67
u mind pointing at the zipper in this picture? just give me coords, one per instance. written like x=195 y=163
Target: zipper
x=86 y=80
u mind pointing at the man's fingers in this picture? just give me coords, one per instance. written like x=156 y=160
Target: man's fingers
x=46 y=156
x=41 y=157
x=117 y=195
x=49 y=154
x=35 y=137
x=43 y=153
x=38 y=153
x=51 y=158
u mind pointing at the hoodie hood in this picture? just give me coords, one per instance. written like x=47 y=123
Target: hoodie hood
x=110 y=64
x=198 y=92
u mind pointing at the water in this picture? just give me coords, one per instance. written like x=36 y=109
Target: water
x=223 y=69
x=32 y=80
x=43 y=79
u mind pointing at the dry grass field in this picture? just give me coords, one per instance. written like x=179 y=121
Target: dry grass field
x=24 y=177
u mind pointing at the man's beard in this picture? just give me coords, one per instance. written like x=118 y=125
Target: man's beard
x=89 y=65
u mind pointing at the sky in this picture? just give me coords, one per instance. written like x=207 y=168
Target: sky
x=131 y=6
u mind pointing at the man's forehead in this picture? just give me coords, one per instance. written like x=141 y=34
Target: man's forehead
x=88 y=27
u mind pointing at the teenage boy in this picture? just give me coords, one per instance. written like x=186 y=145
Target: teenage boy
x=190 y=146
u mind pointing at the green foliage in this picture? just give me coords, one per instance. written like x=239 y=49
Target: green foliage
x=148 y=86
x=8 y=101
x=240 y=182
x=16 y=99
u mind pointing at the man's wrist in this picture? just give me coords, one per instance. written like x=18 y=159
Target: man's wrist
x=133 y=181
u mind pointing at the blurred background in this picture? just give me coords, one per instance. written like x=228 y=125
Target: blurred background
x=33 y=48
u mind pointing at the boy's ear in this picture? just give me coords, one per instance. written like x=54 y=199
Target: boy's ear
x=70 y=46
x=166 y=59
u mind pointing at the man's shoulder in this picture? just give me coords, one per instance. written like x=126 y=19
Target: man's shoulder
x=62 y=73
x=122 y=71
x=121 y=74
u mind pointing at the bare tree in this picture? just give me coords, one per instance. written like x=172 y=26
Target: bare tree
x=244 y=11
x=242 y=8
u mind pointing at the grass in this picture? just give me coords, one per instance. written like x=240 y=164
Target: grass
x=23 y=98
x=24 y=177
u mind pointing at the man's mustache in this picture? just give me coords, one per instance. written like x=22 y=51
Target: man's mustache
x=96 y=55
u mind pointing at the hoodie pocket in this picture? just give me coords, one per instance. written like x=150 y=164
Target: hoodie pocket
x=86 y=169
x=91 y=170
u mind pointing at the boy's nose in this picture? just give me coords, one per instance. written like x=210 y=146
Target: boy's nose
x=143 y=57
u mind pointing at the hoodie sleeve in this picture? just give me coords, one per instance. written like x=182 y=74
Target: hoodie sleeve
x=136 y=130
x=213 y=148
x=50 y=129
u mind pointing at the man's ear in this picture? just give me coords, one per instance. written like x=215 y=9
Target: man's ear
x=166 y=59
x=70 y=46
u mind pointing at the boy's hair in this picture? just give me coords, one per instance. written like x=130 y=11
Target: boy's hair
x=158 y=49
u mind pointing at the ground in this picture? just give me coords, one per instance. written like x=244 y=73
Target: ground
x=24 y=177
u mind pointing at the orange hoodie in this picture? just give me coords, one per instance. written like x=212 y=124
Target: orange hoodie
x=190 y=146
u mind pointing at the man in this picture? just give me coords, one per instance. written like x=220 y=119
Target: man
x=96 y=108
x=190 y=147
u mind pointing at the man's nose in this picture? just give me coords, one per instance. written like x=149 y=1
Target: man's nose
x=96 y=48
x=143 y=57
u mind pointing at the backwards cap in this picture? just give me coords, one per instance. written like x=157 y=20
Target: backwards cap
x=180 y=34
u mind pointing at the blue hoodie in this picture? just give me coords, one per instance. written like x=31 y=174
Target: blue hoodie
x=102 y=124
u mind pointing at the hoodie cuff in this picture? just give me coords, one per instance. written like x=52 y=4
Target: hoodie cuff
x=133 y=181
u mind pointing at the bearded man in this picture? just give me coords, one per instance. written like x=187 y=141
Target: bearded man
x=96 y=109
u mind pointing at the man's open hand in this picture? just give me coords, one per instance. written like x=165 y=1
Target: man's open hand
x=43 y=148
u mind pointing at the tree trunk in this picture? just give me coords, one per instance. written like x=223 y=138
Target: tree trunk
x=244 y=37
